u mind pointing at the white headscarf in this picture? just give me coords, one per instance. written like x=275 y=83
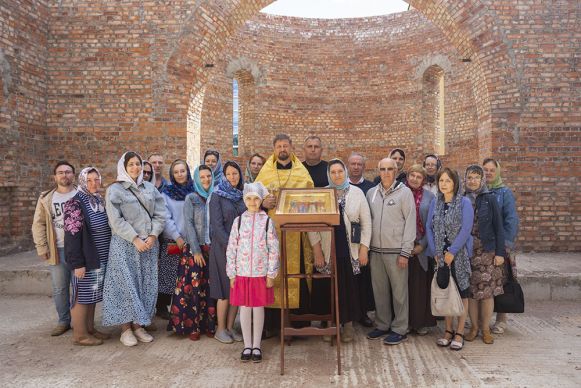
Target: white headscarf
x=123 y=175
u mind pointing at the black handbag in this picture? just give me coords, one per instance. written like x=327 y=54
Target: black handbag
x=513 y=299
x=355 y=233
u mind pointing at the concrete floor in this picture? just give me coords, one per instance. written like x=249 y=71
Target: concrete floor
x=542 y=348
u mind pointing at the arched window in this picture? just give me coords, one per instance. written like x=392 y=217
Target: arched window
x=235 y=112
x=243 y=111
x=433 y=108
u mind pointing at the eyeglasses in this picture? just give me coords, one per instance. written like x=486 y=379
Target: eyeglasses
x=147 y=172
x=386 y=169
x=474 y=178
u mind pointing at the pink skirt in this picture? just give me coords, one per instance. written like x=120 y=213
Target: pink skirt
x=251 y=292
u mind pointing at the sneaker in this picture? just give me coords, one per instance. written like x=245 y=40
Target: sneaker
x=499 y=328
x=223 y=337
x=234 y=335
x=377 y=334
x=394 y=338
x=60 y=329
x=142 y=335
x=128 y=338
x=422 y=331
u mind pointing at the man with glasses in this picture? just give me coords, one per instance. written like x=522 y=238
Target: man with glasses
x=393 y=214
x=49 y=238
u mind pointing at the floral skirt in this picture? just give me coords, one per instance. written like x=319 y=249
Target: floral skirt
x=192 y=310
x=487 y=279
x=251 y=292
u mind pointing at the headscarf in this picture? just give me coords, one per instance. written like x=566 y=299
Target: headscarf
x=152 y=179
x=198 y=183
x=432 y=178
x=418 y=195
x=225 y=189
x=95 y=199
x=217 y=171
x=472 y=194
x=343 y=188
x=176 y=191
x=123 y=175
x=248 y=174
x=255 y=189
x=497 y=182
x=400 y=151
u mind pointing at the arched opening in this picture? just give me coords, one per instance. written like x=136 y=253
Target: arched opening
x=433 y=108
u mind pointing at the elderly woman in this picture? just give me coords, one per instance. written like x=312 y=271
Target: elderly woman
x=226 y=204
x=172 y=241
x=193 y=312
x=136 y=214
x=419 y=278
x=87 y=238
x=212 y=159
x=510 y=221
x=253 y=167
x=449 y=226
x=350 y=253
x=487 y=278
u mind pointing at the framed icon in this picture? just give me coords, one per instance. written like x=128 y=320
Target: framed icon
x=307 y=206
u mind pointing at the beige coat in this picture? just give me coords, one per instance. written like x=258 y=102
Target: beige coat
x=43 y=232
x=356 y=210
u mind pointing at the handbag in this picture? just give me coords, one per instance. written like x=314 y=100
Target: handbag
x=513 y=299
x=446 y=302
x=355 y=233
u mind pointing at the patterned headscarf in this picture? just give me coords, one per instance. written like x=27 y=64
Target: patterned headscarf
x=198 y=183
x=343 y=188
x=218 y=170
x=497 y=182
x=176 y=191
x=95 y=199
x=432 y=178
x=225 y=189
x=418 y=195
x=123 y=175
x=472 y=194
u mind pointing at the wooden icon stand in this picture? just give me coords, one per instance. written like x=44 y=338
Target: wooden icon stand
x=286 y=317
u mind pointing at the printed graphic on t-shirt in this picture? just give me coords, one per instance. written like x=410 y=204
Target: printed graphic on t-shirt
x=57 y=215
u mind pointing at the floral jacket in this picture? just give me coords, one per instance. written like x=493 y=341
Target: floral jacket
x=252 y=252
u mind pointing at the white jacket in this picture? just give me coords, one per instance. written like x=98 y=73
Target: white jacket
x=356 y=210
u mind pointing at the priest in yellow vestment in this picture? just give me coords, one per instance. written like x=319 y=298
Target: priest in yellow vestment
x=284 y=170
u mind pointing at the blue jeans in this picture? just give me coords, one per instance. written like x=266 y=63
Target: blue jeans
x=61 y=281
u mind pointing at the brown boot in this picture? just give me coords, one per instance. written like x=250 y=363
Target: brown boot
x=471 y=335
x=487 y=338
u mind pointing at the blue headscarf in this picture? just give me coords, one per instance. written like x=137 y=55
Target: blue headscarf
x=225 y=189
x=217 y=171
x=176 y=191
x=345 y=184
x=198 y=183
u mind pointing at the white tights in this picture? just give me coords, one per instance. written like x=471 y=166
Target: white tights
x=252 y=339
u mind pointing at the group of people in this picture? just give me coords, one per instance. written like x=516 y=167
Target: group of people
x=195 y=248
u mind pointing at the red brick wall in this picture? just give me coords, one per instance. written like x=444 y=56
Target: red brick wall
x=93 y=79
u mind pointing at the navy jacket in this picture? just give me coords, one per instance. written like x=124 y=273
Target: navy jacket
x=490 y=228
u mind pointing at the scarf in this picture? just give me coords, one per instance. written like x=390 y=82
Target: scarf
x=226 y=190
x=152 y=177
x=95 y=199
x=448 y=224
x=198 y=185
x=217 y=170
x=418 y=195
x=431 y=179
x=472 y=194
x=497 y=182
x=123 y=175
x=176 y=191
x=343 y=188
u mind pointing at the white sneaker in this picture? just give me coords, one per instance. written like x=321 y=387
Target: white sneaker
x=142 y=335
x=127 y=338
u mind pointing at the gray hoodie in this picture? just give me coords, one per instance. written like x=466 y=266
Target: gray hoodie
x=393 y=214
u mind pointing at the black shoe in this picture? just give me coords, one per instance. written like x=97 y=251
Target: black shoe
x=366 y=322
x=245 y=357
x=256 y=355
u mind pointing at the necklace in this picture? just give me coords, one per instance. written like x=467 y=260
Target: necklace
x=281 y=185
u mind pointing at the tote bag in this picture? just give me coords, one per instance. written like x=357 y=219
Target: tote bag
x=446 y=302
x=513 y=299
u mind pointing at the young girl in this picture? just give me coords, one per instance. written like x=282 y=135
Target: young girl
x=252 y=266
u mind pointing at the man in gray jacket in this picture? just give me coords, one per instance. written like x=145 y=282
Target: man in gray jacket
x=393 y=214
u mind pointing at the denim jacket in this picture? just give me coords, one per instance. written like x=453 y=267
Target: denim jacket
x=490 y=227
x=507 y=206
x=127 y=217
x=195 y=221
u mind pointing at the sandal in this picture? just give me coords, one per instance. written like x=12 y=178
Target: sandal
x=457 y=345
x=256 y=355
x=472 y=334
x=100 y=335
x=499 y=328
x=245 y=357
x=443 y=342
x=487 y=338
x=87 y=341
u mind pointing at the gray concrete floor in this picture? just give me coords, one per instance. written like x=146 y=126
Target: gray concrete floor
x=542 y=348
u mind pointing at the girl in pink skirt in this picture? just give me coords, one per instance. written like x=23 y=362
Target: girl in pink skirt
x=252 y=265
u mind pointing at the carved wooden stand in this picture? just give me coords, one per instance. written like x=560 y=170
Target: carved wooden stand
x=286 y=318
